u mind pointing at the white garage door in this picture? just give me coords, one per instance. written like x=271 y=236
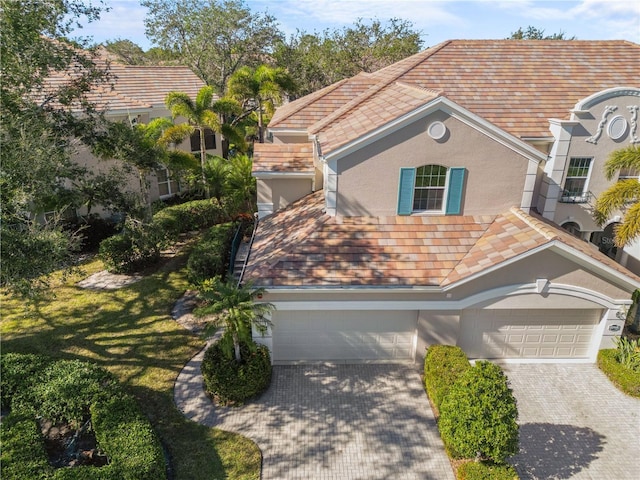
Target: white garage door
x=528 y=333
x=345 y=336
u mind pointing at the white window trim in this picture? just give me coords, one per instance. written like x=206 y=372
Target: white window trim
x=168 y=182
x=587 y=181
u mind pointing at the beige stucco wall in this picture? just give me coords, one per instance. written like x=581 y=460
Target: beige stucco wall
x=579 y=147
x=283 y=137
x=436 y=328
x=368 y=178
x=282 y=191
x=543 y=265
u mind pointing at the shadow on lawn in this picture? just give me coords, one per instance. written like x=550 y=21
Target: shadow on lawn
x=548 y=450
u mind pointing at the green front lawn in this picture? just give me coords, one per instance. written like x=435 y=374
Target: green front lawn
x=130 y=332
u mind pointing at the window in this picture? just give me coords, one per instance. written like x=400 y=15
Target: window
x=166 y=186
x=628 y=174
x=209 y=140
x=575 y=185
x=431 y=188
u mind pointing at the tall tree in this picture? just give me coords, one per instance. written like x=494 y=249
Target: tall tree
x=40 y=129
x=213 y=37
x=237 y=311
x=260 y=90
x=623 y=195
x=533 y=33
x=320 y=59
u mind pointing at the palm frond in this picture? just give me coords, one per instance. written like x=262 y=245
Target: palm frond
x=180 y=105
x=617 y=197
x=628 y=157
x=629 y=229
x=204 y=98
x=176 y=133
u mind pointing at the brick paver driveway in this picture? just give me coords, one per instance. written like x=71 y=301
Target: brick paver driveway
x=356 y=422
x=574 y=424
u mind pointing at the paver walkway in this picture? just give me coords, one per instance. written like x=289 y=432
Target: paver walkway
x=574 y=424
x=337 y=422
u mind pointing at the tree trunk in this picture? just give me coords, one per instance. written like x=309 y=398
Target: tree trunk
x=203 y=160
x=144 y=191
x=236 y=347
x=260 y=126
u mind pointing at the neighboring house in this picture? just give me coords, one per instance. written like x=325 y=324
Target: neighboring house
x=137 y=95
x=423 y=204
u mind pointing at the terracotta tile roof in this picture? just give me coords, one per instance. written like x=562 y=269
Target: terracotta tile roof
x=129 y=86
x=517 y=85
x=302 y=246
x=293 y=157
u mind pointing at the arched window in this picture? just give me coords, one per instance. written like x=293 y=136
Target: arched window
x=431 y=181
x=573 y=228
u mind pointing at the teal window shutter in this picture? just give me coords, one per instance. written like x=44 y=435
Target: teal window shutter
x=405 y=191
x=456 y=189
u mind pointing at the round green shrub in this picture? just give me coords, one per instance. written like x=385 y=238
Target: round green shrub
x=443 y=365
x=486 y=471
x=136 y=248
x=478 y=415
x=230 y=382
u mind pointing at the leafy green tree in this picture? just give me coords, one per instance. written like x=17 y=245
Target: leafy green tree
x=129 y=52
x=202 y=114
x=236 y=310
x=478 y=415
x=259 y=90
x=316 y=60
x=623 y=195
x=240 y=185
x=214 y=38
x=40 y=128
x=533 y=33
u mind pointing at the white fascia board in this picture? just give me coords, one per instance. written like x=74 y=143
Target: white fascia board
x=609 y=273
x=455 y=111
x=283 y=175
x=290 y=131
x=586 y=103
x=116 y=112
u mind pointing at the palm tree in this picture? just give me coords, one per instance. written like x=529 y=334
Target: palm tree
x=259 y=90
x=236 y=310
x=624 y=195
x=240 y=185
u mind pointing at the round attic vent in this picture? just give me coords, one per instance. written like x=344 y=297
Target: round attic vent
x=617 y=127
x=437 y=130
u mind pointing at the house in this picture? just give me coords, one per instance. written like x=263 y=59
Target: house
x=136 y=94
x=447 y=199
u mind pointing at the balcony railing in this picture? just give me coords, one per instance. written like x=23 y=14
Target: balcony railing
x=575 y=197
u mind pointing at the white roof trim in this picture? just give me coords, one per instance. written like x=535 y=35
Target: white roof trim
x=283 y=175
x=454 y=110
x=586 y=103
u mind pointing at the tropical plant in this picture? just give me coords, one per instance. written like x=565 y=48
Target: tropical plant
x=259 y=90
x=202 y=114
x=624 y=195
x=240 y=185
x=628 y=352
x=236 y=309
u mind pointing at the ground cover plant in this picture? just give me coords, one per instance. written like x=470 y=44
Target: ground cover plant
x=130 y=333
x=612 y=362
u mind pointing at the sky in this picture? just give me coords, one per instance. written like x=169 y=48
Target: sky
x=436 y=20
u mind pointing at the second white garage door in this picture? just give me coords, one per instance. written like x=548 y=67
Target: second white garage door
x=345 y=336
x=528 y=333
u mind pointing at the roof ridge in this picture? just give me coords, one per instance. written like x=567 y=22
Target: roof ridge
x=413 y=86
x=375 y=88
x=312 y=97
x=535 y=224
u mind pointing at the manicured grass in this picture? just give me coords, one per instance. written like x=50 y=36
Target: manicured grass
x=130 y=333
x=623 y=378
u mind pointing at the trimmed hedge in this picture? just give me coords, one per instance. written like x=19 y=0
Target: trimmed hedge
x=478 y=415
x=230 y=382
x=623 y=378
x=443 y=365
x=139 y=245
x=486 y=471
x=210 y=258
x=71 y=390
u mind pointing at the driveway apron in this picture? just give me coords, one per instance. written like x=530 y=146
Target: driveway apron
x=347 y=422
x=574 y=424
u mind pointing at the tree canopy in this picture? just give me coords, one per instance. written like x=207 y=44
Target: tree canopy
x=315 y=60
x=39 y=132
x=214 y=38
x=533 y=33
